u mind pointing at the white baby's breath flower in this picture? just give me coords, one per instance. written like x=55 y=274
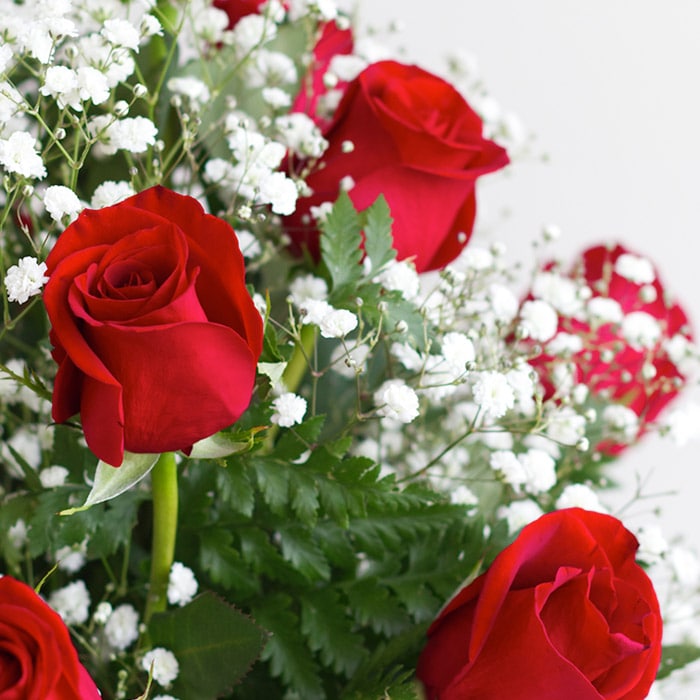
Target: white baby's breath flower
x=281 y=193
x=503 y=303
x=164 y=665
x=621 y=421
x=122 y=629
x=559 y=292
x=635 y=268
x=248 y=243
x=458 y=351
x=299 y=133
x=538 y=320
x=250 y=32
x=182 y=584
x=133 y=134
x=652 y=544
x=25 y=279
x=62 y=202
x=276 y=97
x=564 y=345
x=400 y=276
x=519 y=513
x=110 y=192
x=17 y=534
x=53 y=476
x=308 y=287
x=507 y=464
x=347 y=66
x=192 y=88
x=18 y=155
x=72 y=603
x=121 y=32
x=493 y=394
x=313 y=311
x=580 y=496
x=683 y=423
x=71 y=558
x=396 y=400
x=102 y=612
x=338 y=323
x=289 y=409
x=540 y=470
x=565 y=425
x=641 y=330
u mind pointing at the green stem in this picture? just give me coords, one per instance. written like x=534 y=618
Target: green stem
x=164 y=487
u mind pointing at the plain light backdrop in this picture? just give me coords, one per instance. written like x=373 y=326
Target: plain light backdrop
x=610 y=89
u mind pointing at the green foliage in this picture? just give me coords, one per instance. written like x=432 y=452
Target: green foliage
x=214 y=644
x=340 y=243
x=676 y=656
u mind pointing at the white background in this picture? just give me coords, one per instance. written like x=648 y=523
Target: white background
x=610 y=88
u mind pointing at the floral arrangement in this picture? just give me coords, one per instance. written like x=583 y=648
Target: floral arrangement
x=275 y=423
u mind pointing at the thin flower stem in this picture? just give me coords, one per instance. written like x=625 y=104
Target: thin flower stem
x=164 y=488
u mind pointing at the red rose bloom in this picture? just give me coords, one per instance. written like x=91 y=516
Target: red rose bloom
x=641 y=375
x=37 y=658
x=154 y=332
x=563 y=612
x=416 y=141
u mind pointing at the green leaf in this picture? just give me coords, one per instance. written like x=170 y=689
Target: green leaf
x=378 y=239
x=329 y=630
x=286 y=650
x=304 y=497
x=223 y=563
x=340 y=245
x=221 y=445
x=303 y=553
x=273 y=482
x=235 y=488
x=110 y=481
x=373 y=605
x=214 y=644
x=676 y=656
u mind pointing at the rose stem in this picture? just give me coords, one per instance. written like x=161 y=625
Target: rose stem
x=164 y=488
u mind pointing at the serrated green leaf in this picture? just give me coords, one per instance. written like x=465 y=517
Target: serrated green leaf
x=329 y=631
x=288 y=654
x=299 y=548
x=262 y=557
x=214 y=644
x=223 y=563
x=235 y=489
x=373 y=605
x=378 y=239
x=676 y=656
x=304 y=497
x=293 y=443
x=273 y=482
x=110 y=481
x=340 y=245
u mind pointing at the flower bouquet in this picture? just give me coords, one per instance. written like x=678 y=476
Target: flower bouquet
x=274 y=425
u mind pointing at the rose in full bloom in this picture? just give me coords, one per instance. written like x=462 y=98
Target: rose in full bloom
x=563 y=612
x=633 y=341
x=37 y=658
x=154 y=332
x=409 y=135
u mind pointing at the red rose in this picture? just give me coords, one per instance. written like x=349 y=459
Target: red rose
x=416 y=141
x=154 y=332
x=563 y=612
x=235 y=9
x=37 y=658
x=641 y=375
